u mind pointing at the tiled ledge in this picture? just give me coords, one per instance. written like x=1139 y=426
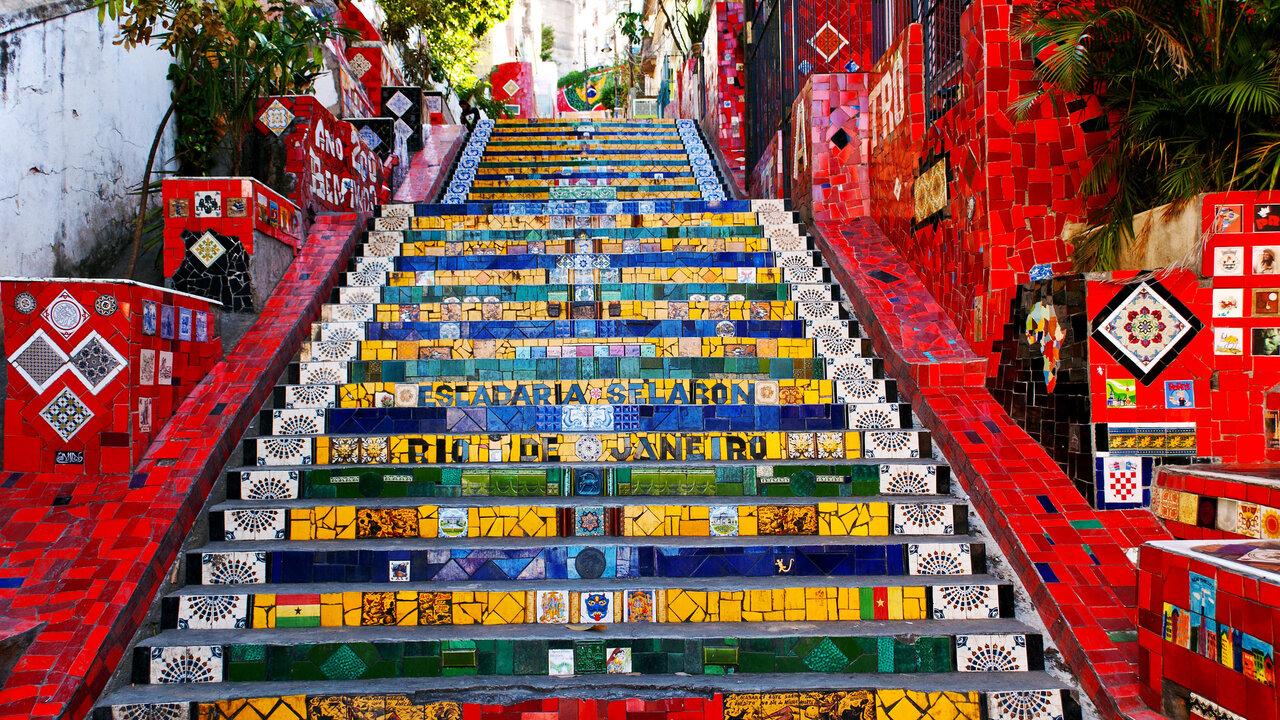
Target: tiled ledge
x=431 y=164
x=1070 y=557
x=85 y=554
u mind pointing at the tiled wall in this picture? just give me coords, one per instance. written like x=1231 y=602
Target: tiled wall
x=332 y=169
x=766 y=176
x=1208 y=614
x=996 y=192
x=95 y=369
x=829 y=172
x=1215 y=505
x=513 y=86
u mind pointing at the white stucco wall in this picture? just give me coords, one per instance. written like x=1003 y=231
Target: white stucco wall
x=77 y=115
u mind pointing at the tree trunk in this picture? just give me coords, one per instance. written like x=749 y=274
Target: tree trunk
x=146 y=190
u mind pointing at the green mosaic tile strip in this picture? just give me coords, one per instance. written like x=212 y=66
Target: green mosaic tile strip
x=351 y=661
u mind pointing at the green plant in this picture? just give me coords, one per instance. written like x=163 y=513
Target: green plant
x=226 y=54
x=442 y=34
x=696 y=21
x=548 y=42
x=1190 y=93
x=479 y=95
x=631 y=25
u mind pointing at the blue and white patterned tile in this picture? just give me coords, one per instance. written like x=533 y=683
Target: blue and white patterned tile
x=1028 y=705
x=269 y=485
x=908 y=479
x=322 y=373
x=255 y=524
x=965 y=602
x=283 y=451
x=923 y=519
x=213 y=612
x=298 y=422
x=875 y=416
x=891 y=444
x=298 y=397
x=233 y=568
x=329 y=351
x=189 y=664
x=939 y=559
x=991 y=653
x=152 y=711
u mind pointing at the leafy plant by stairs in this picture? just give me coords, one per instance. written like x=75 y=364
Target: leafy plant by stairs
x=1191 y=97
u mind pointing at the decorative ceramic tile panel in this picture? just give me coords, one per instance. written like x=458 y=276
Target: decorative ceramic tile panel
x=195 y=664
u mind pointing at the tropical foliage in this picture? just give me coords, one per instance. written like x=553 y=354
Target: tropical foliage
x=1191 y=95
x=442 y=35
x=226 y=55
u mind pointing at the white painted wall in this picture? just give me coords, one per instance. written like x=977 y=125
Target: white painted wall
x=77 y=115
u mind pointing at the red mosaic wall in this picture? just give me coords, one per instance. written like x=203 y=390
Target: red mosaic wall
x=245 y=205
x=1009 y=186
x=766 y=176
x=520 y=93
x=1209 y=627
x=729 y=98
x=95 y=369
x=829 y=170
x=332 y=168
x=1220 y=502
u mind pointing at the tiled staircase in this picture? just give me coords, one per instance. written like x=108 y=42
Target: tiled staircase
x=589 y=430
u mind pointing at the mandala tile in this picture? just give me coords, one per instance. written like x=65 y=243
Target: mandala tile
x=589 y=521
x=207 y=249
x=233 y=568
x=25 y=303
x=284 y=451
x=923 y=519
x=939 y=559
x=595 y=607
x=297 y=422
x=965 y=602
x=213 y=612
x=196 y=664
x=875 y=416
x=96 y=362
x=908 y=479
x=105 y=305
x=1026 y=705
x=892 y=444
x=65 y=315
x=277 y=117
x=1144 y=328
x=39 y=361
x=991 y=653
x=369 y=137
x=553 y=607
x=255 y=524
x=66 y=414
x=152 y=711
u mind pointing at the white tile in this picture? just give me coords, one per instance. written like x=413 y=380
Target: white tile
x=194 y=664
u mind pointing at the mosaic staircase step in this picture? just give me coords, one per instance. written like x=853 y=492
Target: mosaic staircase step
x=631 y=310
x=542 y=426
x=265 y=656
x=632 y=367
x=304 y=562
x=913 y=697
x=915 y=478
x=507 y=602
x=448 y=522
x=585 y=447
x=685 y=292
x=593 y=418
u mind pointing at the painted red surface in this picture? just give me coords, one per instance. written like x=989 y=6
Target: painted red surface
x=247 y=205
x=1014 y=183
x=512 y=85
x=333 y=170
x=1070 y=557
x=1182 y=599
x=129 y=408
